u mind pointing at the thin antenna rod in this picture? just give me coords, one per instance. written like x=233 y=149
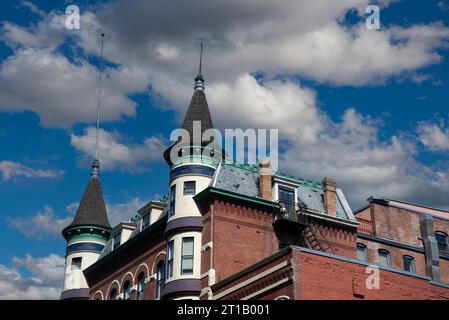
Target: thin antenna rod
x=199 y=80
x=99 y=97
x=201 y=58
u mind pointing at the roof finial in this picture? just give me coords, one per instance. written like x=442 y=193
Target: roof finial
x=96 y=162
x=199 y=80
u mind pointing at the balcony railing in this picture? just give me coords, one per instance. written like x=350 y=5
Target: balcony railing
x=291 y=211
x=365 y=226
x=299 y=213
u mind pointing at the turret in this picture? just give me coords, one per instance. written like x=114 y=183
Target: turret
x=86 y=237
x=192 y=165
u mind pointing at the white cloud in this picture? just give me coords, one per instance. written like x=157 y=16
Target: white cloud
x=66 y=92
x=119 y=212
x=41 y=225
x=286 y=37
x=114 y=151
x=279 y=39
x=350 y=150
x=44 y=283
x=434 y=136
x=48 y=268
x=45 y=224
x=12 y=170
x=283 y=105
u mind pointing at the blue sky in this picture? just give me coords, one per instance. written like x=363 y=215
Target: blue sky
x=369 y=108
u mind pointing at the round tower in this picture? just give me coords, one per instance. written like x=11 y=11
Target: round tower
x=192 y=166
x=86 y=237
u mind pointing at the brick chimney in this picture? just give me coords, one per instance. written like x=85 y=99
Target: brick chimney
x=265 y=180
x=330 y=196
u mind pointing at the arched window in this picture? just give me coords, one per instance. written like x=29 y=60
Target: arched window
x=127 y=291
x=362 y=252
x=113 y=294
x=140 y=286
x=160 y=280
x=409 y=263
x=384 y=258
x=441 y=238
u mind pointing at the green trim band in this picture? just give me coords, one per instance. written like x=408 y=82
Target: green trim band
x=84 y=236
x=72 y=231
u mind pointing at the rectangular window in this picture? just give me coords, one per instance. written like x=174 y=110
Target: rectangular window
x=409 y=264
x=189 y=188
x=384 y=258
x=187 y=256
x=117 y=239
x=76 y=263
x=170 y=248
x=172 y=200
x=286 y=196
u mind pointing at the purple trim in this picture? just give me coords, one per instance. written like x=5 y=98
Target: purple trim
x=182 y=224
x=75 y=294
x=182 y=286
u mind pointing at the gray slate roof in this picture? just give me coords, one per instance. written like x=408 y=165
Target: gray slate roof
x=198 y=111
x=244 y=179
x=237 y=179
x=92 y=210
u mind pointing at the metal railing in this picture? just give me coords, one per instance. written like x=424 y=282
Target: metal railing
x=299 y=213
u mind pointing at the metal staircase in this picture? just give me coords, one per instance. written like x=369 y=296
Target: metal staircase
x=311 y=239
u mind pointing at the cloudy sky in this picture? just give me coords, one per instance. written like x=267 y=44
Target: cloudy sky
x=367 y=107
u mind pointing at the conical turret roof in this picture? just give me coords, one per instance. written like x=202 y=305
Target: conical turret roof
x=92 y=209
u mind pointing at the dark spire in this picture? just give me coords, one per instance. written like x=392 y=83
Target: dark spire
x=92 y=210
x=198 y=109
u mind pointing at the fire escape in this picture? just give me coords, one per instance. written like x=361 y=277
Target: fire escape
x=310 y=234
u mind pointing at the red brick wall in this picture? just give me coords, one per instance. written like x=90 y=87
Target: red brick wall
x=342 y=241
x=318 y=277
x=396 y=255
x=241 y=237
x=365 y=214
x=444 y=270
x=338 y=279
x=397 y=224
x=441 y=225
x=255 y=284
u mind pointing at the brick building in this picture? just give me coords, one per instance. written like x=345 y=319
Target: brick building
x=236 y=231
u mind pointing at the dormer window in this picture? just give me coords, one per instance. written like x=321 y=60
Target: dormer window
x=117 y=239
x=145 y=221
x=286 y=197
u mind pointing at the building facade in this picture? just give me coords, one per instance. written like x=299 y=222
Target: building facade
x=237 y=231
